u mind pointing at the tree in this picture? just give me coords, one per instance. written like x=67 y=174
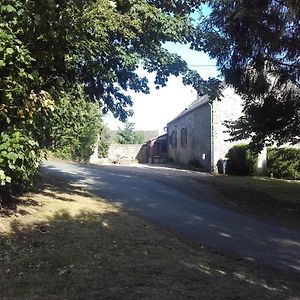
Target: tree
x=49 y=48
x=140 y=137
x=97 y=44
x=257 y=47
x=74 y=128
x=103 y=141
x=129 y=136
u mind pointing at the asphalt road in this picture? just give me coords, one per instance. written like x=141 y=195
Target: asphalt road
x=174 y=200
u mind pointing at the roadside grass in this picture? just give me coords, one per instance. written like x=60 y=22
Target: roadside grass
x=60 y=242
x=260 y=196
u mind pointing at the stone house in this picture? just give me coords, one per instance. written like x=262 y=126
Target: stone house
x=198 y=133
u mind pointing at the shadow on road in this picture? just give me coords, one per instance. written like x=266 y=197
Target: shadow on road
x=162 y=205
x=109 y=255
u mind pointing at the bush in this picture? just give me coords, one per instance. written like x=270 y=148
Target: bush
x=284 y=162
x=241 y=160
x=19 y=162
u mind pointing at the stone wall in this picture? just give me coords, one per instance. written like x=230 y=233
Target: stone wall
x=229 y=109
x=127 y=153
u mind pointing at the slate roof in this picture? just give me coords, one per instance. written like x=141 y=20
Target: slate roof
x=194 y=105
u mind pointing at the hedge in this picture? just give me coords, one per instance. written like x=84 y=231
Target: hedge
x=241 y=160
x=284 y=162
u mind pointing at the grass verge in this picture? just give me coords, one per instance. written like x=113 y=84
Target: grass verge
x=260 y=196
x=61 y=242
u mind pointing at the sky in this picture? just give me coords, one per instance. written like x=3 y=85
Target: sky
x=153 y=111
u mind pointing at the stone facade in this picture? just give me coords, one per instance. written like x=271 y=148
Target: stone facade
x=197 y=125
x=228 y=109
x=203 y=122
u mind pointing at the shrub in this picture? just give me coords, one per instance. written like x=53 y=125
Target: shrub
x=241 y=160
x=284 y=162
x=19 y=162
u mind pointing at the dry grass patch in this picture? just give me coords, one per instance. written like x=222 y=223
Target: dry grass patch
x=60 y=242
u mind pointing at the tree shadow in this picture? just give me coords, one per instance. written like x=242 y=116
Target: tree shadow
x=109 y=255
x=222 y=229
x=11 y=208
x=45 y=185
x=48 y=186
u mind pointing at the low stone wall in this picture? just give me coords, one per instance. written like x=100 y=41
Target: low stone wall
x=127 y=153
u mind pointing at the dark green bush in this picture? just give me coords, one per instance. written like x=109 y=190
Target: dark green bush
x=19 y=162
x=241 y=160
x=284 y=162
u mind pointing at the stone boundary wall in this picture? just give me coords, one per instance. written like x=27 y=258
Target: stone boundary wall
x=126 y=153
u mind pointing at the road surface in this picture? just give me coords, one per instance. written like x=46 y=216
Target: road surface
x=173 y=199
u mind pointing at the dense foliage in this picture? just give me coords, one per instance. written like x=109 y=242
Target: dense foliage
x=129 y=135
x=49 y=47
x=284 y=162
x=103 y=141
x=75 y=127
x=19 y=159
x=257 y=47
x=241 y=160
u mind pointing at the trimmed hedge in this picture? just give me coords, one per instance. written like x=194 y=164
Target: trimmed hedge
x=284 y=162
x=241 y=161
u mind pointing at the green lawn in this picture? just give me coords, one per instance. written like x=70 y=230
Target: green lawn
x=260 y=196
x=61 y=242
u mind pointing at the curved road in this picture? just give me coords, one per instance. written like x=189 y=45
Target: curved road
x=172 y=199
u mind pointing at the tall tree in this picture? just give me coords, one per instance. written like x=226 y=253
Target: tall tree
x=51 y=47
x=129 y=135
x=257 y=47
x=75 y=127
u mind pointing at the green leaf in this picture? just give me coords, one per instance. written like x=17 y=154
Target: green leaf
x=10 y=51
x=10 y=8
x=3 y=153
x=30 y=76
x=12 y=156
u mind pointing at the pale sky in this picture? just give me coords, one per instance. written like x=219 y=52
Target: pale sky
x=155 y=110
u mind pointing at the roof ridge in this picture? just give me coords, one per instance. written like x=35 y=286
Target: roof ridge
x=199 y=101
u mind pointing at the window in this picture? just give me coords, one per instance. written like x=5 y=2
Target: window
x=183 y=137
x=173 y=139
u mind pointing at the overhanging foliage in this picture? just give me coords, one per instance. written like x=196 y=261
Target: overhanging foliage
x=257 y=47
